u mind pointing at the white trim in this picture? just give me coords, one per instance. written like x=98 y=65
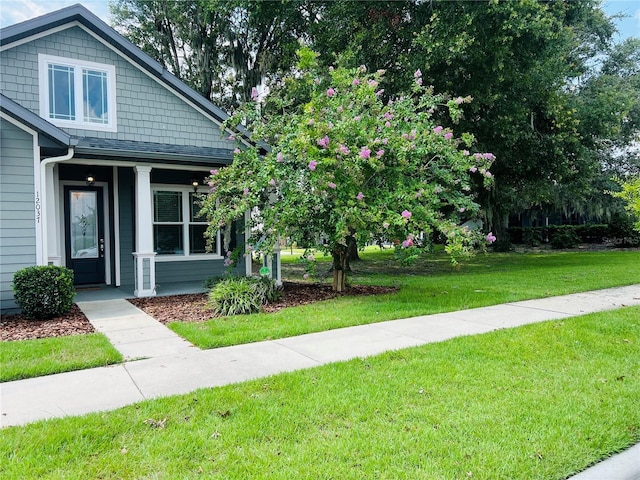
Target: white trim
x=40 y=228
x=78 y=66
x=116 y=225
x=188 y=258
x=36 y=36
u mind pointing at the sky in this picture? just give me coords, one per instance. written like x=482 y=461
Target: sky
x=14 y=11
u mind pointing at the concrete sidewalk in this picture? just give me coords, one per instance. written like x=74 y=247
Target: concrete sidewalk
x=173 y=366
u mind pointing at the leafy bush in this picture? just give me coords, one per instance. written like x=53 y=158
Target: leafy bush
x=44 y=292
x=564 y=238
x=211 y=282
x=241 y=295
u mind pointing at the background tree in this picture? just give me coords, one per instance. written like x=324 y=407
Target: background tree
x=347 y=164
x=221 y=48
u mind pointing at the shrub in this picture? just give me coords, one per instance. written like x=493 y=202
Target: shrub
x=241 y=295
x=564 y=238
x=44 y=292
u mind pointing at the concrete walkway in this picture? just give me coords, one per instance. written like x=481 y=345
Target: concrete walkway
x=173 y=366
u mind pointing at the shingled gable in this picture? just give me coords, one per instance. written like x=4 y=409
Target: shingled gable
x=77 y=13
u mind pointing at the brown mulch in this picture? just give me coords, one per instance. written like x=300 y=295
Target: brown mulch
x=193 y=307
x=17 y=327
x=187 y=308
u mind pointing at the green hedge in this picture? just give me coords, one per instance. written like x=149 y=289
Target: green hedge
x=570 y=236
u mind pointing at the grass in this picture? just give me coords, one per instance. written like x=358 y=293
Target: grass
x=34 y=358
x=430 y=286
x=541 y=401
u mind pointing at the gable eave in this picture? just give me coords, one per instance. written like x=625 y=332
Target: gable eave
x=29 y=119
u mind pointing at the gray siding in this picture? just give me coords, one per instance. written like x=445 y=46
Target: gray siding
x=168 y=273
x=17 y=212
x=126 y=206
x=146 y=110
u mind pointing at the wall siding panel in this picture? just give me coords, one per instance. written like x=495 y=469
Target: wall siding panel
x=18 y=239
x=146 y=110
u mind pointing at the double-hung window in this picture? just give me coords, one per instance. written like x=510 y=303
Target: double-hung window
x=178 y=230
x=77 y=94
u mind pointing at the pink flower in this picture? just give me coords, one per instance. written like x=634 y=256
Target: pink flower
x=214 y=171
x=246 y=191
x=478 y=156
x=448 y=136
x=356 y=81
x=491 y=237
x=459 y=100
x=272 y=182
x=405 y=136
x=438 y=129
x=461 y=209
x=379 y=92
x=407 y=243
x=387 y=124
x=385 y=141
x=388 y=116
x=311 y=122
x=331 y=69
x=360 y=196
x=357 y=118
x=473 y=169
x=340 y=109
x=373 y=83
x=365 y=153
x=488 y=175
x=419 y=81
x=483 y=171
x=331 y=92
x=379 y=153
x=236 y=151
x=412 y=135
x=465 y=153
x=316 y=81
x=311 y=258
x=312 y=165
x=254 y=93
x=231 y=137
x=344 y=149
x=417 y=74
x=385 y=225
x=279 y=157
x=406 y=214
x=305 y=276
x=324 y=142
x=419 y=194
x=489 y=156
x=331 y=185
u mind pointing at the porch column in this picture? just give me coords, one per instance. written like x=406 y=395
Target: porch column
x=145 y=264
x=53 y=224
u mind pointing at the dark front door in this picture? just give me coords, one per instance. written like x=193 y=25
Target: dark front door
x=84 y=227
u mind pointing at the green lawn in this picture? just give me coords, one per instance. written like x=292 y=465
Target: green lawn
x=541 y=401
x=34 y=358
x=430 y=286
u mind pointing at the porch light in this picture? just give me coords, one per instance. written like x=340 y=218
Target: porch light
x=195 y=184
x=90 y=179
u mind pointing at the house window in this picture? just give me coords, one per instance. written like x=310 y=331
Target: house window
x=77 y=94
x=177 y=228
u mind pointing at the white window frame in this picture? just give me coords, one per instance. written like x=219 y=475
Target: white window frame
x=186 y=221
x=78 y=66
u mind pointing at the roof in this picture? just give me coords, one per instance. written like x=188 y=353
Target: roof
x=110 y=148
x=35 y=122
x=78 y=13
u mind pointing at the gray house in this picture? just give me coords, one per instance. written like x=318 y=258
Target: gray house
x=101 y=151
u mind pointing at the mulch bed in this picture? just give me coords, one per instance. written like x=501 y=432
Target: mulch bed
x=193 y=307
x=17 y=327
x=186 y=308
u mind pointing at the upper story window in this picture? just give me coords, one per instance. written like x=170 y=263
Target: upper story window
x=77 y=94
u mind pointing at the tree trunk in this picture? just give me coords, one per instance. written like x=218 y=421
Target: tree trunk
x=340 y=256
x=352 y=254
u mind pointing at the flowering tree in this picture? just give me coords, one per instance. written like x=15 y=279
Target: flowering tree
x=344 y=164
